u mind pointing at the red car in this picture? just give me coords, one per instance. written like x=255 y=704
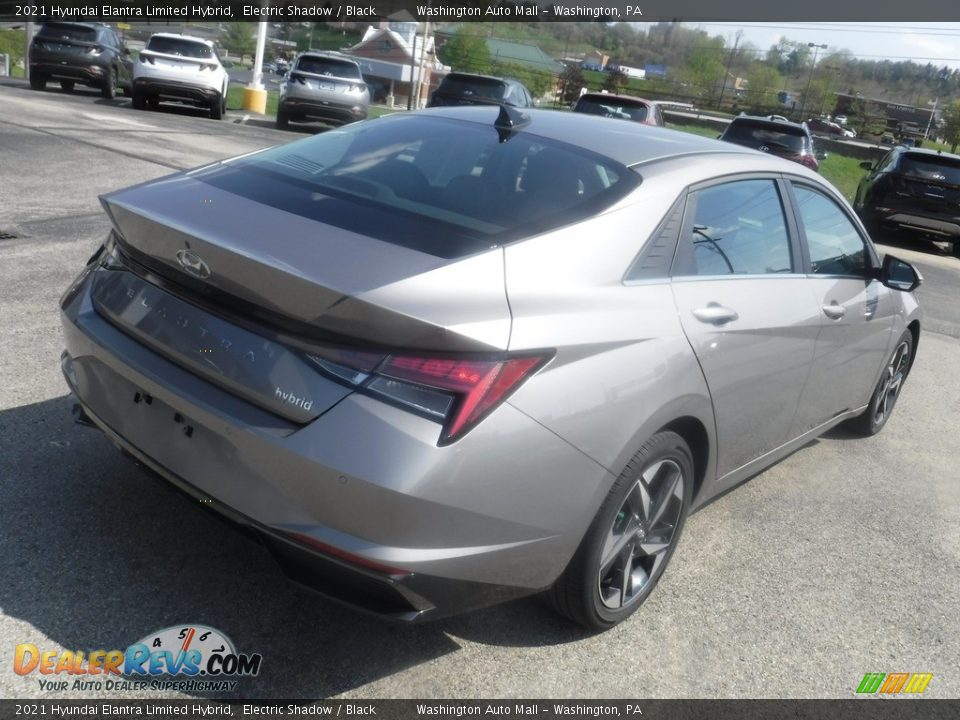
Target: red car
x=824 y=127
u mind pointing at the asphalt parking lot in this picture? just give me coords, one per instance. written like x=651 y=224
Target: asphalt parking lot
x=842 y=559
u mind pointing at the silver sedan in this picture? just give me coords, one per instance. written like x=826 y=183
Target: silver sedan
x=441 y=359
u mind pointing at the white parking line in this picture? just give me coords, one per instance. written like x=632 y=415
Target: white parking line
x=117 y=120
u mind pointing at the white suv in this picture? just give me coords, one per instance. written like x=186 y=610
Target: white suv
x=183 y=69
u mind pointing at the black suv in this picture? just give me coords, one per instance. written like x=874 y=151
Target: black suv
x=459 y=88
x=914 y=190
x=784 y=139
x=88 y=53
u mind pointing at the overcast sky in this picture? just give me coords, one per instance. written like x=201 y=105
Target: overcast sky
x=938 y=43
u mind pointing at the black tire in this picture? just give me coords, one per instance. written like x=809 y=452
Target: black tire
x=657 y=484
x=283 y=119
x=37 y=81
x=884 y=397
x=139 y=100
x=216 y=108
x=67 y=85
x=109 y=89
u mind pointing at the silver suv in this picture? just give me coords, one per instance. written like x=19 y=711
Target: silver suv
x=325 y=86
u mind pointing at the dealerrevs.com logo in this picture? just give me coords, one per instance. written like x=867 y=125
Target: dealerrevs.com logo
x=187 y=658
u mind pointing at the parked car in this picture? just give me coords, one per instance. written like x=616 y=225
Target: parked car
x=458 y=88
x=840 y=120
x=824 y=127
x=281 y=67
x=784 y=139
x=182 y=69
x=915 y=191
x=624 y=107
x=778 y=118
x=442 y=359
x=324 y=86
x=77 y=52
x=887 y=139
x=849 y=132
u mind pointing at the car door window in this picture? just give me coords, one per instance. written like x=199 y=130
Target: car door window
x=738 y=229
x=835 y=246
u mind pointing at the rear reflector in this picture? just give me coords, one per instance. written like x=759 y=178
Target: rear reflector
x=357 y=560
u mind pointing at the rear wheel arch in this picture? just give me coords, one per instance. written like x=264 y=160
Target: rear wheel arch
x=914 y=328
x=695 y=434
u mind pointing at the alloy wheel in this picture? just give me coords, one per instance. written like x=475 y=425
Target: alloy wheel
x=891 y=382
x=642 y=533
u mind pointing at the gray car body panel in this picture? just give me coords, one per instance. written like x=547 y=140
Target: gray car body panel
x=508 y=503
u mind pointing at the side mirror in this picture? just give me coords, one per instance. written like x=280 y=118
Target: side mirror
x=898 y=274
x=866 y=165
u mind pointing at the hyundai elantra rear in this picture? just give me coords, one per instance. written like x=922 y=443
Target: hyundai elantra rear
x=435 y=360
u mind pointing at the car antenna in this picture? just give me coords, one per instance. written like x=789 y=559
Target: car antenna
x=509 y=121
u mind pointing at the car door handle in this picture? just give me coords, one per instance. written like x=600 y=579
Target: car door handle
x=715 y=314
x=834 y=311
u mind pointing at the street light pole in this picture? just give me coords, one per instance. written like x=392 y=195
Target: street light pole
x=817 y=48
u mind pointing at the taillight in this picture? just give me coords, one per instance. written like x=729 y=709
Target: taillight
x=810 y=161
x=147 y=59
x=457 y=392
x=208 y=66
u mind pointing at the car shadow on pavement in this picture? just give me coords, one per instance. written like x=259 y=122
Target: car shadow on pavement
x=98 y=554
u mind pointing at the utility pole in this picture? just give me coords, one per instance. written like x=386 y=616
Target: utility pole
x=423 y=62
x=413 y=66
x=817 y=48
x=726 y=72
x=926 y=133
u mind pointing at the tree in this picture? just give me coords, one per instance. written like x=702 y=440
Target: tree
x=704 y=69
x=951 y=124
x=763 y=82
x=571 y=82
x=467 y=50
x=238 y=39
x=12 y=43
x=615 y=81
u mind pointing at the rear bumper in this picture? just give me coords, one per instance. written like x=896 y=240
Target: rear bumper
x=360 y=504
x=309 y=108
x=164 y=89
x=945 y=227
x=78 y=72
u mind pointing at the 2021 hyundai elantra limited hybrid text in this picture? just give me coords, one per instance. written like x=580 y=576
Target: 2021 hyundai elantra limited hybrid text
x=441 y=359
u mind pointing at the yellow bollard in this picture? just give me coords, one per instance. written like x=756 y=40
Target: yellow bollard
x=255 y=100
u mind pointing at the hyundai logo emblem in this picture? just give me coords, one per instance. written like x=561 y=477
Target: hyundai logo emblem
x=763 y=148
x=193 y=264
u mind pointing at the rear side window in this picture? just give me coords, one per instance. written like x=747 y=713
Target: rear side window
x=615 y=108
x=328 y=66
x=66 y=31
x=487 y=88
x=931 y=167
x=179 y=46
x=738 y=229
x=756 y=134
x=446 y=187
x=835 y=246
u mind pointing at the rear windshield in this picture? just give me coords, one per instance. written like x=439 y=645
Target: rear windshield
x=615 y=108
x=179 y=46
x=473 y=87
x=756 y=134
x=328 y=66
x=441 y=186
x=929 y=167
x=67 y=31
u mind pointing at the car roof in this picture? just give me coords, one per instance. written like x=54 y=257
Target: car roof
x=180 y=36
x=612 y=96
x=327 y=54
x=762 y=120
x=627 y=143
x=455 y=74
x=928 y=152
